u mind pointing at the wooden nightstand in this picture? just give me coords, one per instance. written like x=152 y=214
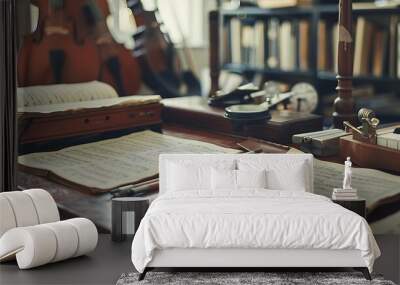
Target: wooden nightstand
x=357 y=206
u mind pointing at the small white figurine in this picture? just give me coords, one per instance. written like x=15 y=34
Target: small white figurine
x=347 y=174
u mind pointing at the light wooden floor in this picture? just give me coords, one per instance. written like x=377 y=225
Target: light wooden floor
x=110 y=260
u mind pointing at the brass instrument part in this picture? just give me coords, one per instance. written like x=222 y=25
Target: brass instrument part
x=367 y=131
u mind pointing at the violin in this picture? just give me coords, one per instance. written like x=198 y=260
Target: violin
x=162 y=69
x=117 y=65
x=53 y=54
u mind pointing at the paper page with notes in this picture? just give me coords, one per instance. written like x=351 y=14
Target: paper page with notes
x=63 y=93
x=46 y=99
x=107 y=164
x=372 y=185
x=93 y=104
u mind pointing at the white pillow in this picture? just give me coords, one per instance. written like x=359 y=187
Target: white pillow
x=251 y=178
x=230 y=180
x=281 y=175
x=187 y=175
x=295 y=180
x=223 y=179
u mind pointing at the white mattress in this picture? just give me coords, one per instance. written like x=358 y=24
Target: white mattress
x=253 y=219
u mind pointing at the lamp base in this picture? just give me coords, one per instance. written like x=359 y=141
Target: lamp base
x=338 y=120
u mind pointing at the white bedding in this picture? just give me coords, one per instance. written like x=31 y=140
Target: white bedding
x=255 y=218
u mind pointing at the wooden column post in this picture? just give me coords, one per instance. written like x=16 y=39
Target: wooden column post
x=344 y=107
x=8 y=101
x=213 y=20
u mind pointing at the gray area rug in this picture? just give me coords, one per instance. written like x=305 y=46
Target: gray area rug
x=236 y=278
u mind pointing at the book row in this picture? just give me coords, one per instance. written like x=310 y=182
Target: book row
x=286 y=45
x=271 y=44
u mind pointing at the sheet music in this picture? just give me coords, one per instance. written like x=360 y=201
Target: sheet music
x=112 y=163
x=63 y=93
x=388 y=225
x=93 y=104
x=371 y=184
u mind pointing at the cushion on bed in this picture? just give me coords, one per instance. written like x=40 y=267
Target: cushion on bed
x=188 y=175
x=180 y=172
x=281 y=174
x=222 y=179
x=251 y=178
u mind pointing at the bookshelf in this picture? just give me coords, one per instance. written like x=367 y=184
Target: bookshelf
x=312 y=38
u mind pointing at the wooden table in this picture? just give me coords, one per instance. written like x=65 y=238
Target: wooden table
x=97 y=208
x=194 y=111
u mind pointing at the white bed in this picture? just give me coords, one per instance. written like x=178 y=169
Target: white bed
x=230 y=226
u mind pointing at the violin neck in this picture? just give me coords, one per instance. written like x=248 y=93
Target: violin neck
x=57 y=22
x=56 y=5
x=56 y=8
x=95 y=20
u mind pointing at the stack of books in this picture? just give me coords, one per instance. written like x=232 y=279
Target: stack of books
x=283 y=44
x=376 y=46
x=344 y=194
x=272 y=43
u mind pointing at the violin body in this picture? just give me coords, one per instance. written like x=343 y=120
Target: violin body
x=72 y=44
x=118 y=67
x=155 y=52
x=52 y=54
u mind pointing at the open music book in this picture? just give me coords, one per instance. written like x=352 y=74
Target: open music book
x=48 y=99
x=63 y=93
x=94 y=104
x=374 y=186
x=107 y=164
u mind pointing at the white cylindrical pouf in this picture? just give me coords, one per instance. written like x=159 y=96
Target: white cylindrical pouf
x=87 y=234
x=37 y=245
x=23 y=208
x=34 y=246
x=45 y=205
x=7 y=218
x=67 y=239
x=31 y=232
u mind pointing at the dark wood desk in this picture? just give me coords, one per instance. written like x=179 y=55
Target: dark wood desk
x=52 y=131
x=195 y=112
x=74 y=203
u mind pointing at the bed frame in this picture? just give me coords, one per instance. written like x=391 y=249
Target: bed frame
x=246 y=258
x=243 y=259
